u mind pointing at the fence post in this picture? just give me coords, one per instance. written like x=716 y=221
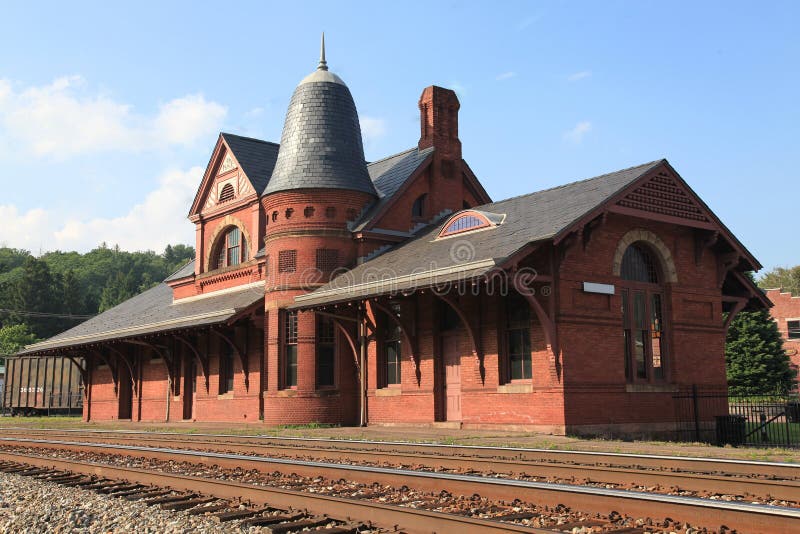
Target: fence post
x=696 y=412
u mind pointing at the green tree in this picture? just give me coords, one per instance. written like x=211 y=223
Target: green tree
x=33 y=294
x=13 y=338
x=118 y=289
x=783 y=278
x=754 y=355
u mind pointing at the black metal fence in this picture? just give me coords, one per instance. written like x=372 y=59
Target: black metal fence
x=713 y=416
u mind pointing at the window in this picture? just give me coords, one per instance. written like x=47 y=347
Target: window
x=226 y=194
x=642 y=316
x=392 y=348
x=418 y=208
x=309 y=211
x=327 y=259
x=290 y=349
x=330 y=212
x=274 y=215
x=289 y=212
x=225 y=368
x=326 y=352
x=287 y=261
x=464 y=222
x=231 y=249
x=794 y=329
x=518 y=338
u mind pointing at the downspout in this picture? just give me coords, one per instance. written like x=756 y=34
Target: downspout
x=169 y=394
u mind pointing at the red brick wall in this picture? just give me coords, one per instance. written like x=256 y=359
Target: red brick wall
x=786 y=307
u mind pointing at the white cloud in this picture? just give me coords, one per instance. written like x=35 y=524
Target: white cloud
x=64 y=118
x=160 y=219
x=506 y=75
x=579 y=75
x=576 y=134
x=372 y=128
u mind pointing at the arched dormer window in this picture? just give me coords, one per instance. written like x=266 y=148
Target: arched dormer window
x=470 y=220
x=418 y=208
x=231 y=248
x=226 y=194
x=643 y=314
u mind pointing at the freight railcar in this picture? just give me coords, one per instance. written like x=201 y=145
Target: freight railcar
x=42 y=386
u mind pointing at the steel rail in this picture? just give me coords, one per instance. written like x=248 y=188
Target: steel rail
x=726 y=485
x=728 y=465
x=742 y=516
x=382 y=515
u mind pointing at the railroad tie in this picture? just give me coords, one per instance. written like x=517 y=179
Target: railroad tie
x=118 y=489
x=208 y=509
x=239 y=514
x=271 y=520
x=184 y=505
x=139 y=495
x=171 y=498
x=283 y=528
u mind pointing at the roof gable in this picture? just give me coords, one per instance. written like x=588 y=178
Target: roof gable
x=254 y=159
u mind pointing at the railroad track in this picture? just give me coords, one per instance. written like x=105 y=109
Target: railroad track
x=717 y=515
x=709 y=477
x=280 y=511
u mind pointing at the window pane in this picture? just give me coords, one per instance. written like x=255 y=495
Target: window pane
x=638 y=351
x=233 y=255
x=325 y=365
x=519 y=352
x=625 y=308
x=627 y=339
x=656 y=335
x=639 y=316
x=393 y=362
x=794 y=329
x=291 y=365
x=221 y=257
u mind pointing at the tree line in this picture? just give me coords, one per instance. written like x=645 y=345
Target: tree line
x=40 y=297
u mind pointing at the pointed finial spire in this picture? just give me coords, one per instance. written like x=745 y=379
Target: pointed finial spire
x=323 y=65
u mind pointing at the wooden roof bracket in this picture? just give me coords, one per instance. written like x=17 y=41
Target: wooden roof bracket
x=243 y=359
x=471 y=331
x=703 y=239
x=726 y=263
x=128 y=364
x=410 y=339
x=739 y=305
x=163 y=354
x=114 y=368
x=587 y=229
x=200 y=359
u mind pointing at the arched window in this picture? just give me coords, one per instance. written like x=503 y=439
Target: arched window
x=226 y=194
x=643 y=314
x=418 y=208
x=464 y=222
x=231 y=248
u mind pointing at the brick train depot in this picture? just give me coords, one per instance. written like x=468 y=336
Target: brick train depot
x=329 y=289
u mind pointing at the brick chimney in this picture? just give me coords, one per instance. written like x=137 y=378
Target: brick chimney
x=438 y=110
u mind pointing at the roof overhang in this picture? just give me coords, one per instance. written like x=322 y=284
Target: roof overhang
x=375 y=285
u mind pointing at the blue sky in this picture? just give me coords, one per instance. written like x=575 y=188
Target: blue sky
x=109 y=113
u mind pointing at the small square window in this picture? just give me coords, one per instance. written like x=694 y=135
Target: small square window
x=327 y=259
x=794 y=329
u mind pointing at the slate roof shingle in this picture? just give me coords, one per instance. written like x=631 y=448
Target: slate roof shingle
x=152 y=311
x=256 y=157
x=529 y=218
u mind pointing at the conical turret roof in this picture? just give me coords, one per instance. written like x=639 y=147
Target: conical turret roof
x=321 y=145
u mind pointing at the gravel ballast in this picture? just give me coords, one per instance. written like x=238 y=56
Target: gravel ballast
x=32 y=506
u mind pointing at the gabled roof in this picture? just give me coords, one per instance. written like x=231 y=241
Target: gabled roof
x=150 y=312
x=183 y=272
x=424 y=259
x=389 y=174
x=256 y=157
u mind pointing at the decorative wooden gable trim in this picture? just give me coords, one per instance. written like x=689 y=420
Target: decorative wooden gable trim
x=223 y=169
x=663 y=197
